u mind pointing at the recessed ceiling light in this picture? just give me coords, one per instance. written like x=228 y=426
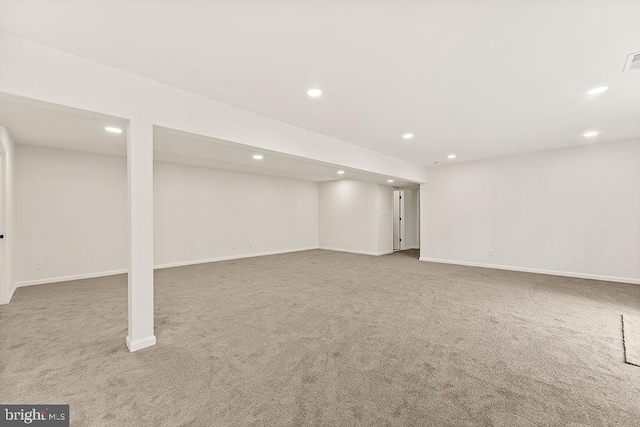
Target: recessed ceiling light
x=314 y=93
x=258 y=157
x=389 y=180
x=407 y=136
x=113 y=129
x=597 y=90
x=591 y=133
x=340 y=172
x=451 y=156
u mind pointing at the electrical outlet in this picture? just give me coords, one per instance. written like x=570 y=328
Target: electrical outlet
x=39 y=265
x=344 y=241
x=233 y=246
x=491 y=253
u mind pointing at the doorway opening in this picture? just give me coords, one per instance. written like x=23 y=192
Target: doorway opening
x=398 y=224
x=405 y=221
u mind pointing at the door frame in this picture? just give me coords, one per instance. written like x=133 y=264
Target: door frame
x=401 y=210
x=4 y=250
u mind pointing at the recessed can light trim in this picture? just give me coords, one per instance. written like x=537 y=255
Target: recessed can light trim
x=598 y=90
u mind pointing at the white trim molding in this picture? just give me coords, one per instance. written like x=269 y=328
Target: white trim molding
x=353 y=251
x=384 y=252
x=141 y=343
x=70 y=278
x=536 y=270
x=229 y=258
x=13 y=292
x=156 y=267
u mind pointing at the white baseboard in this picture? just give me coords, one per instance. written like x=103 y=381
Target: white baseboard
x=140 y=343
x=536 y=270
x=156 y=267
x=353 y=251
x=13 y=292
x=228 y=258
x=70 y=278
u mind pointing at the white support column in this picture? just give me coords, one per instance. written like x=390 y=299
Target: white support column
x=140 y=179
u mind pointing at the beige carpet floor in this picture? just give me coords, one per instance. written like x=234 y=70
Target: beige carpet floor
x=331 y=339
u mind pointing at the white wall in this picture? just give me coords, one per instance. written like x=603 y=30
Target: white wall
x=203 y=214
x=573 y=211
x=7 y=282
x=71 y=213
x=355 y=217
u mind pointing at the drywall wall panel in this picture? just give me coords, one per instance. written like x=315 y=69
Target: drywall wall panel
x=575 y=210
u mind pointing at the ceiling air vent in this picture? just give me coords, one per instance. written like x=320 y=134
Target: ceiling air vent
x=633 y=62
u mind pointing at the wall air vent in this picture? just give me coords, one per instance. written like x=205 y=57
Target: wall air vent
x=633 y=62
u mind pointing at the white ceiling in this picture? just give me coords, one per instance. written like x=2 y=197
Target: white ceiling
x=475 y=78
x=47 y=125
x=180 y=147
x=37 y=123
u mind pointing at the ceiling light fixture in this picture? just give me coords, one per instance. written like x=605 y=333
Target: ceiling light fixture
x=258 y=157
x=389 y=180
x=597 y=90
x=314 y=93
x=591 y=133
x=113 y=129
x=407 y=136
x=451 y=156
x=340 y=172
